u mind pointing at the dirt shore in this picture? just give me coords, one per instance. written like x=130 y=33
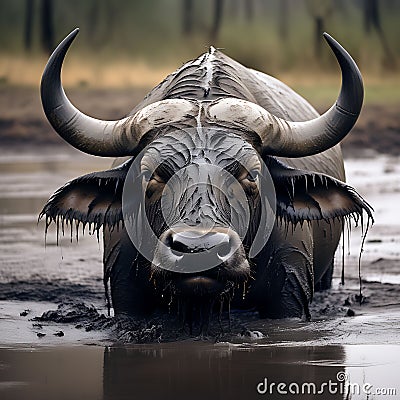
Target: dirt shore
x=22 y=121
x=35 y=162
x=35 y=272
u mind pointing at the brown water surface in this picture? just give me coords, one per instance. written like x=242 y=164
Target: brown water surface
x=37 y=364
x=199 y=371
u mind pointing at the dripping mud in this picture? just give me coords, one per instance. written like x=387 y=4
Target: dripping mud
x=54 y=294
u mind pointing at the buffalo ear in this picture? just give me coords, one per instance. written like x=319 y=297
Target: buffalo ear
x=94 y=199
x=308 y=196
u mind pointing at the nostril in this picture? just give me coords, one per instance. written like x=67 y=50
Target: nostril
x=175 y=244
x=180 y=246
x=168 y=240
x=188 y=242
x=224 y=249
x=196 y=242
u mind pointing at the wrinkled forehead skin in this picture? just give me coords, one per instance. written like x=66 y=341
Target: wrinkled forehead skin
x=201 y=167
x=221 y=147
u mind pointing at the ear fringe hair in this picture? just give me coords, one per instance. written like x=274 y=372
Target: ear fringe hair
x=110 y=182
x=291 y=182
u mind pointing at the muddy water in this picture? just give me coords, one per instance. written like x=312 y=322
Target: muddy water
x=37 y=362
x=200 y=371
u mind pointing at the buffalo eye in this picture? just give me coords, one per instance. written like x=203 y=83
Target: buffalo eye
x=252 y=175
x=153 y=183
x=157 y=178
x=152 y=176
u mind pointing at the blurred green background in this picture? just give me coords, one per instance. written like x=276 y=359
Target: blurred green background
x=149 y=38
x=126 y=47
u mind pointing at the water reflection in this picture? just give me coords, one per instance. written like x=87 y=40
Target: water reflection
x=218 y=372
x=195 y=370
x=179 y=370
x=52 y=373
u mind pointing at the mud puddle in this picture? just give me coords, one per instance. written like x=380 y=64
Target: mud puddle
x=361 y=340
x=200 y=370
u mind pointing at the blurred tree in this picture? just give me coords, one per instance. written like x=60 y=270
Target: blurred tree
x=249 y=9
x=217 y=20
x=47 y=27
x=283 y=24
x=372 y=21
x=371 y=16
x=93 y=22
x=187 y=27
x=28 y=24
x=101 y=18
x=319 y=10
x=113 y=11
x=342 y=7
x=234 y=8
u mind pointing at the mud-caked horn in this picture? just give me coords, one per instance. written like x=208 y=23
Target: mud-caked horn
x=94 y=136
x=299 y=139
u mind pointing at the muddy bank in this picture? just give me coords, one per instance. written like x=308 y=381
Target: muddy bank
x=34 y=272
x=54 y=322
x=22 y=121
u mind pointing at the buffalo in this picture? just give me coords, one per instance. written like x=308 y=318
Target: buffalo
x=228 y=188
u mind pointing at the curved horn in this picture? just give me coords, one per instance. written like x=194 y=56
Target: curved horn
x=299 y=139
x=93 y=136
x=90 y=135
x=97 y=137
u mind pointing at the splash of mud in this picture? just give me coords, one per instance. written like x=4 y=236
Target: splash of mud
x=160 y=327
